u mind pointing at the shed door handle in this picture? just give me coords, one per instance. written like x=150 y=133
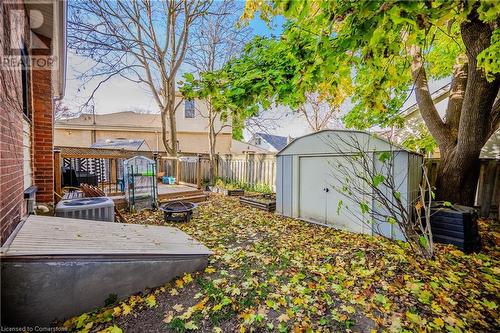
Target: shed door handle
x=326 y=189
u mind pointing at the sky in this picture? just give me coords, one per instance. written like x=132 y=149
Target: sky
x=119 y=94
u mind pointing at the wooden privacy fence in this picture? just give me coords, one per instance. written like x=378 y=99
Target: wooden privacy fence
x=251 y=169
x=185 y=169
x=488 y=187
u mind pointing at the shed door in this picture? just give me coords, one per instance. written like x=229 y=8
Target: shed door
x=318 y=200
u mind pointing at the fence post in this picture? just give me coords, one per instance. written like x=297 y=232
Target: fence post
x=177 y=171
x=198 y=172
x=161 y=167
x=486 y=195
x=57 y=175
x=113 y=166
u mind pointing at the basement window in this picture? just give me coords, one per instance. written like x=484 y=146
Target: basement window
x=189 y=109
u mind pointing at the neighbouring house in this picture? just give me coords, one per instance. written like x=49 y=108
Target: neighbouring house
x=270 y=142
x=192 y=129
x=53 y=267
x=240 y=147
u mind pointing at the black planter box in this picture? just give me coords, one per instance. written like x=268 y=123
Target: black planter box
x=260 y=201
x=456 y=225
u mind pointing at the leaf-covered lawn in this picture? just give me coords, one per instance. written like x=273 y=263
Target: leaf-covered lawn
x=270 y=273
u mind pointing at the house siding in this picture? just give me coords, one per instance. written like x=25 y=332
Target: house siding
x=192 y=133
x=189 y=142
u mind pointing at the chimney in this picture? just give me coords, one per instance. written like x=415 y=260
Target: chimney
x=289 y=139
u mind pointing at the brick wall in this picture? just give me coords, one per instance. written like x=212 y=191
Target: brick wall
x=12 y=206
x=11 y=169
x=43 y=133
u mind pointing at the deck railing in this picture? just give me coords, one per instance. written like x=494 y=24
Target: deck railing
x=99 y=167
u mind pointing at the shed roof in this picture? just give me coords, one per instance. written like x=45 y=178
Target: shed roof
x=321 y=146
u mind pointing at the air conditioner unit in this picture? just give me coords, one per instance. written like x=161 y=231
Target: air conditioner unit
x=99 y=208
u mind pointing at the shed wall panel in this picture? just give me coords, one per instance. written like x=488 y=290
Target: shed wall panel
x=287 y=185
x=398 y=172
x=279 y=185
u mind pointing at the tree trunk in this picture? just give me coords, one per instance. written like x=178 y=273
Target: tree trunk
x=169 y=125
x=173 y=132
x=459 y=168
x=212 y=137
x=457 y=176
x=470 y=116
x=164 y=130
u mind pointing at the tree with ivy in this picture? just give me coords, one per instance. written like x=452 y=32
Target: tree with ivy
x=387 y=49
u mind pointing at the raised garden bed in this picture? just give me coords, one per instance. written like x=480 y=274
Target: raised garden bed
x=224 y=191
x=265 y=202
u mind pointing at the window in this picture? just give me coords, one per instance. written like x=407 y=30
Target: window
x=258 y=141
x=189 y=109
x=25 y=82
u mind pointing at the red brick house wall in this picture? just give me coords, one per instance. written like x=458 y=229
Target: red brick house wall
x=12 y=206
x=11 y=169
x=12 y=203
x=43 y=133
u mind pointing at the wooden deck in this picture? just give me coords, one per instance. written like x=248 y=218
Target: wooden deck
x=47 y=236
x=62 y=267
x=174 y=189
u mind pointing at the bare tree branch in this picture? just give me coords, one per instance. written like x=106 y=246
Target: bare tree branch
x=318 y=113
x=216 y=40
x=123 y=38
